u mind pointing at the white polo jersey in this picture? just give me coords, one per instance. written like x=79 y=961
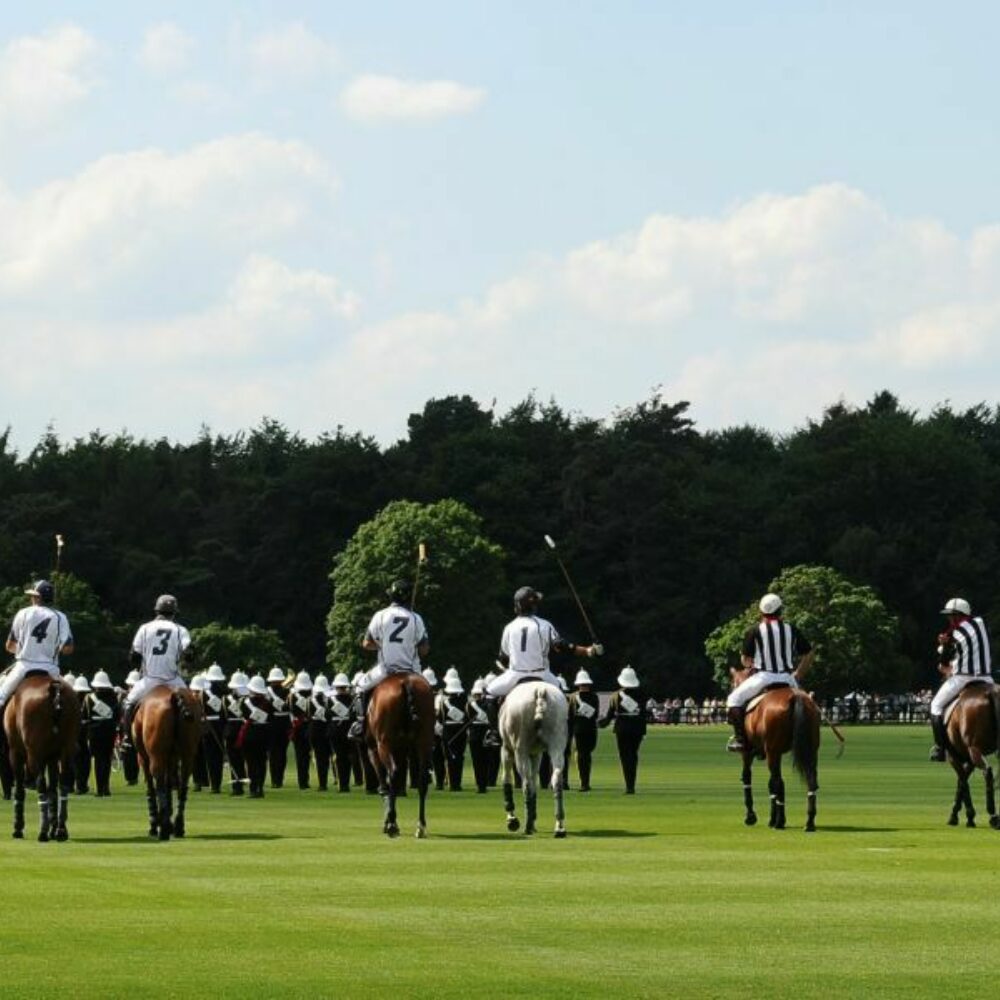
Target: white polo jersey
x=397 y=631
x=40 y=632
x=527 y=642
x=161 y=643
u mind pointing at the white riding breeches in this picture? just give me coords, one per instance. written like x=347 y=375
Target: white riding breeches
x=502 y=686
x=144 y=685
x=951 y=689
x=16 y=675
x=753 y=686
x=378 y=674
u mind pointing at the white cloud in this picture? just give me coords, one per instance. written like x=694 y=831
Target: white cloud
x=290 y=51
x=166 y=49
x=374 y=98
x=42 y=75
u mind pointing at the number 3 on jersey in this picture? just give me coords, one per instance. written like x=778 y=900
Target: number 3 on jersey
x=163 y=634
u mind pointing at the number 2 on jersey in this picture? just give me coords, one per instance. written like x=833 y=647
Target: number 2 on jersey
x=396 y=635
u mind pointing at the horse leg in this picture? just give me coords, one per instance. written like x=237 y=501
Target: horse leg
x=558 y=783
x=529 y=777
x=957 y=805
x=54 y=800
x=41 y=785
x=513 y=823
x=387 y=782
x=751 y=817
x=182 y=794
x=19 y=801
x=776 y=788
x=154 y=819
x=163 y=804
x=970 y=812
x=812 y=787
x=65 y=777
x=422 y=794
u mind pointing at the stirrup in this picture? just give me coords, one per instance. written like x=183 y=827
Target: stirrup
x=356 y=732
x=492 y=740
x=937 y=755
x=736 y=745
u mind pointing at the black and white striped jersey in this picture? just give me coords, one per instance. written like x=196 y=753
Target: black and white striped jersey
x=775 y=646
x=969 y=649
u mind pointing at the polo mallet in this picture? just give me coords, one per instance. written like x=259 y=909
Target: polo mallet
x=576 y=597
x=59 y=547
x=421 y=559
x=841 y=742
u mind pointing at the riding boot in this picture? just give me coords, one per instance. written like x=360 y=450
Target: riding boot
x=738 y=742
x=360 y=711
x=491 y=706
x=940 y=739
x=128 y=717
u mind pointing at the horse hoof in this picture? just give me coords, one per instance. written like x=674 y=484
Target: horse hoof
x=62 y=834
x=178 y=830
x=560 y=834
x=392 y=832
x=995 y=822
x=18 y=835
x=513 y=824
x=164 y=833
x=43 y=837
x=421 y=833
x=970 y=824
x=810 y=827
x=751 y=819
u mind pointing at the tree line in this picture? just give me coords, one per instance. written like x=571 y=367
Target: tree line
x=668 y=531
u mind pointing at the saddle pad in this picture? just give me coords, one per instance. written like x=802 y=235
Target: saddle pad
x=757 y=699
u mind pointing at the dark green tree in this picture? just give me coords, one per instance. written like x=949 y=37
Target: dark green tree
x=248 y=648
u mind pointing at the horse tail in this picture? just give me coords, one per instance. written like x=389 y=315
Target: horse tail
x=410 y=706
x=995 y=699
x=55 y=703
x=803 y=748
x=541 y=704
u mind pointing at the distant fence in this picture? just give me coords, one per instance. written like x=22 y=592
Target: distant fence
x=859 y=710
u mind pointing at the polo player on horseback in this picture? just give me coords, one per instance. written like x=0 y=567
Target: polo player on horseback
x=38 y=635
x=525 y=645
x=963 y=658
x=158 y=649
x=775 y=653
x=399 y=636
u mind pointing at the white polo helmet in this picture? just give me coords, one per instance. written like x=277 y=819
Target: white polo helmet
x=303 y=682
x=430 y=677
x=582 y=677
x=257 y=685
x=215 y=673
x=628 y=679
x=957 y=606
x=453 y=685
x=275 y=675
x=101 y=680
x=321 y=684
x=770 y=604
x=133 y=678
x=343 y=681
x=81 y=684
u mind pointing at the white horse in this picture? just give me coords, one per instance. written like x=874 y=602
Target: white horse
x=533 y=718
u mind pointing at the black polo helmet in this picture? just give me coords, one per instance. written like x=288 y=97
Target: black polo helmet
x=526 y=600
x=399 y=591
x=166 y=604
x=43 y=590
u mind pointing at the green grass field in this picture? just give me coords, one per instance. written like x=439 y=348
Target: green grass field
x=661 y=894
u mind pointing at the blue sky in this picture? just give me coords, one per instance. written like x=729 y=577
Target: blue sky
x=329 y=213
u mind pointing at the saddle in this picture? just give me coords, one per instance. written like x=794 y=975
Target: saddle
x=971 y=686
x=758 y=698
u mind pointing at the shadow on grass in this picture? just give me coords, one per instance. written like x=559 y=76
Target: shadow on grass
x=141 y=839
x=613 y=834
x=543 y=834
x=823 y=828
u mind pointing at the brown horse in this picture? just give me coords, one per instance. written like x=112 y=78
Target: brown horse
x=783 y=720
x=166 y=740
x=41 y=723
x=973 y=736
x=401 y=734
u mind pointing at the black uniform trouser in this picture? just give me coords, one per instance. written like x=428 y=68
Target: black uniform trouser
x=199 y=770
x=628 y=754
x=480 y=757
x=81 y=764
x=319 y=740
x=303 y=756
x=492 y=765
x=437 y=760
x=341 y=747
x=130 y=762
x=454 y=741
x=278 y=729
x=586 y=742
x=211 y=741
x=357 y=767
x=102 y=749
x=256 y=743
x=237 y=760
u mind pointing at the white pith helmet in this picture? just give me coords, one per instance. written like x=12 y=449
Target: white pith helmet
x=237 y=681
x=453 y=685
x=478 y=686
x=957 y=606
x=628 y=679
x=582 y=677
x=343 y=681
x=275 y=675
x=133 y=678
x=770 y=604
x=198 y=682
x=257 y=685
x=430 y=677
x=215 y=673
x=69 y=678
x=450 y=673
x=303 y=682
x=81 y=684
x=101 y=680
x=321 y=684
